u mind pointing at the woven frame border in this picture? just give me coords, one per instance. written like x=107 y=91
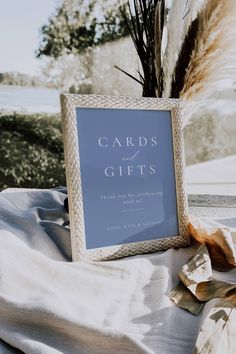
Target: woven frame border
x=69 y=103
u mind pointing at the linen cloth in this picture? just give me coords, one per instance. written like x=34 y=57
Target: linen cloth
x=50 y=305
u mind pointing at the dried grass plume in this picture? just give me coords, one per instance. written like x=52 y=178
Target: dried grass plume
x=182 y=13
x=213 y=59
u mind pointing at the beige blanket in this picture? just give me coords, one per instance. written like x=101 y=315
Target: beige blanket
x=50 y=305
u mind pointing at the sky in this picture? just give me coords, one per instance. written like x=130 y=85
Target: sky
x=20 y=23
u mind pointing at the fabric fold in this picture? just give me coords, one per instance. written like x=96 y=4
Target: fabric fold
x=50 y=305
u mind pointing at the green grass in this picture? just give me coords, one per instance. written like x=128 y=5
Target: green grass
x=31 y=151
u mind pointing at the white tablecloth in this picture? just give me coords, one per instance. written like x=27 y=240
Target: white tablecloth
x=50 y=305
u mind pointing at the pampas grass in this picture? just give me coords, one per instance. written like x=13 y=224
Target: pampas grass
x=184 y=57
x=214 y=55
x=181 y=15
x=189 y=53
x=212 y=63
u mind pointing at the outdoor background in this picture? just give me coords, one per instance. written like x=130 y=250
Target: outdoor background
x=50 y=46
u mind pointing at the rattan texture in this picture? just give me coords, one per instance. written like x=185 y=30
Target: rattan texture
x=69 y=102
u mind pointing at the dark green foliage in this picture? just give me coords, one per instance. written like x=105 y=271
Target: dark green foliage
x=70 y=31
x=31 y=151
x=18 y=79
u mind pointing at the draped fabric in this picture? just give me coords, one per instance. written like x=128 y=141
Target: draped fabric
x=51 y=305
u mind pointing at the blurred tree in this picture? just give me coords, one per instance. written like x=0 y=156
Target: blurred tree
x=78 y=24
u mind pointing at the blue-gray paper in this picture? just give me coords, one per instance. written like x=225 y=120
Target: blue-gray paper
x=127 y=174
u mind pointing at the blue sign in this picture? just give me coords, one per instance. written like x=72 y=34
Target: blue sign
x=127 y=175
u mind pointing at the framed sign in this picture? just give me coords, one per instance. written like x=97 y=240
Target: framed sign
x=124 y=164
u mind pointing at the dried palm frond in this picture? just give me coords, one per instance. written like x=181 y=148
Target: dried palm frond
x=219 y=241
x=183 y=298
x=197 y=284
x=140 y=23
x=158 y=33
x=217 y=331
x=140 y=20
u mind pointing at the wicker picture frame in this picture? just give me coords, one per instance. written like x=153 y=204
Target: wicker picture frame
x=69 y=104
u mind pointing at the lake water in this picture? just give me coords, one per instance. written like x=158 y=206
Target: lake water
x=29 y=99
